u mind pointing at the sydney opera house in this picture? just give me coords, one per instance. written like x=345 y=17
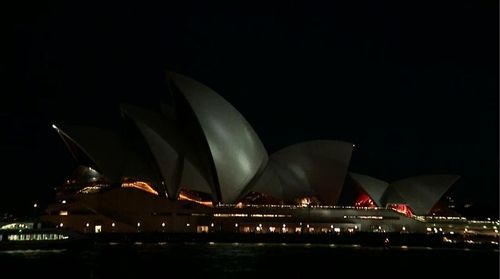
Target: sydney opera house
x=194 y=164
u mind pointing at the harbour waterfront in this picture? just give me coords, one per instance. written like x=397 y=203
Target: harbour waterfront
x=228 y=260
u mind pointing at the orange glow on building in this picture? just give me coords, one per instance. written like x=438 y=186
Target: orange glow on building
x=188 y=196
x=304 y=201
x=364 y=200
x=401 y=208
x=141 y=186
x=307 y=201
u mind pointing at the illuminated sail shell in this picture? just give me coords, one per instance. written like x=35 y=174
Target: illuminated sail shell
x=236 y=152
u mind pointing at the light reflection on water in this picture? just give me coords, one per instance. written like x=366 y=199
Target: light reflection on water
x=228 y=260
x=33 y=252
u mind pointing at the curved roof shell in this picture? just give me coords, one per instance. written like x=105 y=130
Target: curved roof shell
x=373 y=187
x=155 y=130
x=114 y=155
x=422 y=192
x=102 y=149
x=192 y=179
x=315 y=168
x=269 y=182
x=236 y=152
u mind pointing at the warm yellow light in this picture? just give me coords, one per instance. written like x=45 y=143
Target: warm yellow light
x=138 y=224
x=163 y=224
x=113 y=225
x=35 y=205
x=305 y=201
x=141 y=186
x=184 y=197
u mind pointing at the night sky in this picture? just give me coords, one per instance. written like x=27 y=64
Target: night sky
x=413 y=85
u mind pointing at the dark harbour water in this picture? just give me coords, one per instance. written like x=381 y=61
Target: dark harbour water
x=233 y=260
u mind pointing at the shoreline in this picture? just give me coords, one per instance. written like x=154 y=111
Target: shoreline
x=381 y=240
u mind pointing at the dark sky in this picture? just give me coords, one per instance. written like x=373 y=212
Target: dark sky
x=413 y=85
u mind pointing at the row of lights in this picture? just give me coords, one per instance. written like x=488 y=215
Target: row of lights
x=300 y=206
x=88 y=225
x=284 y=226
x=451 y=232
x=236 y=225
x=162 y=224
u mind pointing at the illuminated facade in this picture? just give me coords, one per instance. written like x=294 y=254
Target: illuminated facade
x=196 y=165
